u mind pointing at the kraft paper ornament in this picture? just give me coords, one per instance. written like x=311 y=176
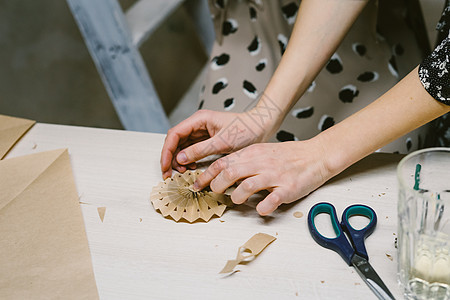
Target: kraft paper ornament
x=175 y=197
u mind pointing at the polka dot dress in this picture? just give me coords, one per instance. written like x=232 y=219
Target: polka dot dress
x=251 y=36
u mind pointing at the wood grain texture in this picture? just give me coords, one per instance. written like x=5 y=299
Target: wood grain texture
x=138 y=254
x=120 y=65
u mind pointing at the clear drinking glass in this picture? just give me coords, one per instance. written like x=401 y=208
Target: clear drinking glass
x=424 y=224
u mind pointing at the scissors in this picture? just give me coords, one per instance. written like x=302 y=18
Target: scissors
x=354 y=254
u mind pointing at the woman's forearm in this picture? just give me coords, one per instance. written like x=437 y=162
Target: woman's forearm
x=400 y=110
x=320 y=27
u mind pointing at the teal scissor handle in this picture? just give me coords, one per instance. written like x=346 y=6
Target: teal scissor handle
x=340 y=244
x=357 y=236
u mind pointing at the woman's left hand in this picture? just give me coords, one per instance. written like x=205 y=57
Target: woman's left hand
x=289 y=171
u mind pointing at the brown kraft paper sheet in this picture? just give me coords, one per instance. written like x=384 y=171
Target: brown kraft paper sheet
x=11 y=130
x=45 y=252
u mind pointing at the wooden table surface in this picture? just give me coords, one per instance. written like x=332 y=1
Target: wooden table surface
x=138 y=254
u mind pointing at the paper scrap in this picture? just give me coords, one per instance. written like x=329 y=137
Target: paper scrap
x=176 y=198
x=11 y=130
x=254 y=246
x=45 y=252
x=298 y=214
x=101 y=212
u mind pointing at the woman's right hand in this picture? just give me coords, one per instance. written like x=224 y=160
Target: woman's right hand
x=210 y=132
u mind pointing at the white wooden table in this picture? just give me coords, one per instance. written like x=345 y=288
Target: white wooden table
x=138 y=254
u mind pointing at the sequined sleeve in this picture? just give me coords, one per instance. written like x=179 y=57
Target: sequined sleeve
x=434 y=70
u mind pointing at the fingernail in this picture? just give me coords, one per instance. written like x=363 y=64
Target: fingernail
x=196 y=186
x=263 y=208
x=181 y=158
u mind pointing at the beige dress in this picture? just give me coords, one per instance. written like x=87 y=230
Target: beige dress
x=251 y=36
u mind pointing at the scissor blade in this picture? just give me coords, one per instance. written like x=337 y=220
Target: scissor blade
x=371 y=277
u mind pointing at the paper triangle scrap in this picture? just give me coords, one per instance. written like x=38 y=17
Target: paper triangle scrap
x=101 y=212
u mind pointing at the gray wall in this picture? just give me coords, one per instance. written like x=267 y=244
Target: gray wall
x=47 y=74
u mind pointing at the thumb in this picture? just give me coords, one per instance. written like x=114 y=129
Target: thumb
x=201 y=150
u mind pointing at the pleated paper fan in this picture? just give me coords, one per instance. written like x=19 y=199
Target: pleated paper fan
x=176 y=198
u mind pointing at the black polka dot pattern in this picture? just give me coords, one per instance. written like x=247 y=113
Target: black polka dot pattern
x=219 y=85
x=261 y=65
x=229 y=26
x=282 y=41
x=325 y=122
x=408 y=143
x=219 y=61
x=303 y=113
x=334 y=65
x=347 y=93
x=255 y=46
x=284 y=136
x=228 y=104
x=249 y=89
x=253 y=53
x=368 y=76
x=290 y=12
x=201 y=104
x=392 y=66
x=359 y=49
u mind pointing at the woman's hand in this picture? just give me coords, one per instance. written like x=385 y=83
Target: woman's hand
x=209 y=132
x=289 y=171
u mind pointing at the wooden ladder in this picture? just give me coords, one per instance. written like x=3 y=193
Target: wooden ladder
x=113 y=38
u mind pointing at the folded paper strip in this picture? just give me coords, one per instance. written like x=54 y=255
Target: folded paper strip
x=176 y=198
x=247 y=252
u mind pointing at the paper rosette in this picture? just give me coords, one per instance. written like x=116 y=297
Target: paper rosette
x=175 y=197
